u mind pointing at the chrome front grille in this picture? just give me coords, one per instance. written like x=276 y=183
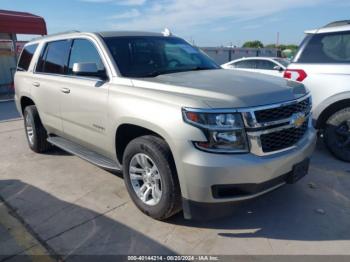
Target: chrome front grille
x=278 y=127
x=278 y=113
x=282 y=139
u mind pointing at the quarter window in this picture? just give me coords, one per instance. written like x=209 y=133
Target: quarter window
x=327 y=48
x=26 y=57
x=83 y=51
x=54 y=57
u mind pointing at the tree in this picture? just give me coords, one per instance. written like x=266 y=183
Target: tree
x=270 y=46
x=283 y=47
x=253 y=44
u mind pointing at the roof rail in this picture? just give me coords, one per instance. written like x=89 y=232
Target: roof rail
x=338 y=23
x=57 y=34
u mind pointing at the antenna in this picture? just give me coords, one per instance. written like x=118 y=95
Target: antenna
x=166 y=32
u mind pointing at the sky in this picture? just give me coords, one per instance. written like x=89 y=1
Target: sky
x=204 y=22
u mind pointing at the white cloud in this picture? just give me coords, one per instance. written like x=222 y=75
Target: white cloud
x=96 y=1
x=119 y=2
x=183 y=15
x=129 y=14
x=132 y=2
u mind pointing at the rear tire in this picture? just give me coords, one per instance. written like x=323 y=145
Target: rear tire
x=35 y=131
x=337 y=134
x=145 y=154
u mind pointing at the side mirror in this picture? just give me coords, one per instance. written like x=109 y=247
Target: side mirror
x=88 y=69
x=278 y=68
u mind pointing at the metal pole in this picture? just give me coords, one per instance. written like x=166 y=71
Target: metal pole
x=14 y=40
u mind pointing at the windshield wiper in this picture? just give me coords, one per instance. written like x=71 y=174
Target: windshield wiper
x=200 y=68
x=160 y=72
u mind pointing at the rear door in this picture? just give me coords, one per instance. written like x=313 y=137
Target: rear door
x=84 y=99
x=24 y=73
x=47 y=81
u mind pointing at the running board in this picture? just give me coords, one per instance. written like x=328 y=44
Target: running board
x=84 y=153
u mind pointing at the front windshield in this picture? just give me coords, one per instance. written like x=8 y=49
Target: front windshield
x=149 y=56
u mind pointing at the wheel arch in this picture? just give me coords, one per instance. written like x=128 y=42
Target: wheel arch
x=26 y=101
x=127 y=131
x=329 y=110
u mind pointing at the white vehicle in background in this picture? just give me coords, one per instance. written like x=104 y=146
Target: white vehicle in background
x=266 y=65
x=322 y=64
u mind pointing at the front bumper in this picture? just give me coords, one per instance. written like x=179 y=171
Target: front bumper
x=204 y=172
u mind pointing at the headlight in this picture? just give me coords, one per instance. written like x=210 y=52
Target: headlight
x=224 y=131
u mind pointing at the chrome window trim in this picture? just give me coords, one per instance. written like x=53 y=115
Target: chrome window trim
x=94 y=79
x=93 y=41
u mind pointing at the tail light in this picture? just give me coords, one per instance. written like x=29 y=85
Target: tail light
x=295 y=74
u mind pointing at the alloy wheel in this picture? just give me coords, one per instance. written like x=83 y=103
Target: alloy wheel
x=29 y=129
x=145 y=179
x=343 y=134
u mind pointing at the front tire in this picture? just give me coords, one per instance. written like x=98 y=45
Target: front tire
x=150 y=177
x=337 y=134
x=35 y=131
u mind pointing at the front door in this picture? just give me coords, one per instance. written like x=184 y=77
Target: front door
x=84 y=99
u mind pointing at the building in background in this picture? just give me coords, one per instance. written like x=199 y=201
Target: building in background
x=11 y=24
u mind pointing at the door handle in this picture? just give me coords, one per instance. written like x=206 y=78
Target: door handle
x=65 y=90
x=37 y=84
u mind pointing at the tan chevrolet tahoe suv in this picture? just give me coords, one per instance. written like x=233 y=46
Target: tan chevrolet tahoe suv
x=185 y=133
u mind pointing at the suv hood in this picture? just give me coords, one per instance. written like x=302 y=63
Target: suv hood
x=222 y=88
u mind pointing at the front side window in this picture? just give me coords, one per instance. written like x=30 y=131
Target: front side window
x=327 y=48
x=54 y=57
x=26 y=57
x=83 y=51
x=150 y=56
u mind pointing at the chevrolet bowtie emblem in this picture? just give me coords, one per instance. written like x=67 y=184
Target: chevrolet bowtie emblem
x=298 y=119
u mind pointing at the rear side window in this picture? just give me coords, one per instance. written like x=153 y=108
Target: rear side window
x=26 y=57
x=249 y=64
x=54 y=57
x=327 y=48
x=265 y=65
